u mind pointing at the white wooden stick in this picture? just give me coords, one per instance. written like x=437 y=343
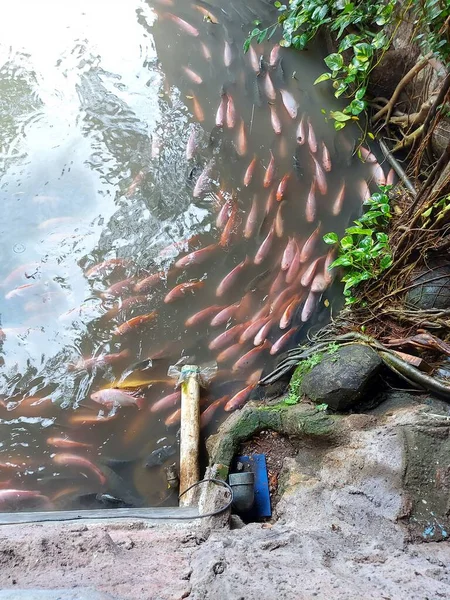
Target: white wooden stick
x=190 y=433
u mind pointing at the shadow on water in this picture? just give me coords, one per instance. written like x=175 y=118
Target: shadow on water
x=107 y=135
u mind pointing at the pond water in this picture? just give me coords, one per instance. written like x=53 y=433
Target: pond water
x=135 y=134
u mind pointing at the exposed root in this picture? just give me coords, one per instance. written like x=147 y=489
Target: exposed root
x=408 y=140
x=389 y=107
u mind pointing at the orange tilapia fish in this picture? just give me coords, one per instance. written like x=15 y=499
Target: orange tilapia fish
x=111 y=397
x=180 y=290
x=270 y=171
x=66 y=443
x=82 y=463
x=135 y=322
x=107 y=265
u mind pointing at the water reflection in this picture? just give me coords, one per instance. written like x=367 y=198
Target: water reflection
x=103 y=200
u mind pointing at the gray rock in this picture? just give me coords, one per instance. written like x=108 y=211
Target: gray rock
x=342 y=378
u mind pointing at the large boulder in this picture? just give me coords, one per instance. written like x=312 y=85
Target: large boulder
x=342 y=378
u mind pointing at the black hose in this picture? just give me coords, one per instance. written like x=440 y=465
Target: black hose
x=143 y=517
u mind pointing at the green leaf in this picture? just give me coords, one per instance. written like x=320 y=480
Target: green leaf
x=347 y=242
x=363 y=52
x=358 y=231
x=323 y=77
x=337 y=115
x=330 y=238
x=338 y=126
x=334 y=61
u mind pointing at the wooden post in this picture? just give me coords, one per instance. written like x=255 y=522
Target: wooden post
x=190 y=432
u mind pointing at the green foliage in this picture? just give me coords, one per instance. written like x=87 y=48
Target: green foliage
x=304 y=367
x=364 y=249
x=360 y=29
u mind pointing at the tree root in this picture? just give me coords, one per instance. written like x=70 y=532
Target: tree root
x=388 y=108
x=397 y=168
x=409 y=139
x=389 y=357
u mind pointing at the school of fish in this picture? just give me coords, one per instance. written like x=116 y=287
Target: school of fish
x=261 y=304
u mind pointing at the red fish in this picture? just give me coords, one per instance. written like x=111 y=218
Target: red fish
x=279 y=220
x=197 y=257
x=106 y=266
x=239 y=399
x=230 y=228
x=249 y=172
x=204 y=180
x=184 y=25
x=205 y=51
x=197 y=108
x=203 y=315
x=227 y=54
x=310 y=244
x=90 y=419
x=282 y=341
x=338 y=203
x=230 y=279
x=364 y=190
x=326 y=158
x=254 y=60
x=24 y=271
x=252 y=219
x=73 y=460
x=330 y=258
x=180 y=290
x=208 y=413
x=231 y=112
x=166 y=402
x=309 y=306
x=308 y=275
x=366 y=155
x=262 y=334
x=118 y=288
x=288 y=254
x=294 y=268
x=10 y=499
x=319 y=283
x=270 y=202
x=150 y=282
x=274 y=55
x=250 y=357
x=229 y=353
x=312 y=141
x=225 y=314
x=106 y=359
x=265 y=247
x=270 y=171
x=280 y=300
x=290 y=104
x=111 y=397
x=174 y=418
x=225 y=338
x=224 y=213
x=378 y=174
x=191 y=147
x=277 y=284
x=241 y=145
x=310 y=209
x=193 y=76
x=269 y=88
x=275 y=119
x=391 y=177
x=321 y=179
x=135 y=322
x=301 y=131
x=281 y=190
x=252 y=328
x=286 y=317
x=66 y=443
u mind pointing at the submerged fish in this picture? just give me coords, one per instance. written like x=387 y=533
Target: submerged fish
x=249 y=172
x=275 y=120
x=73 y=460
x=193 y=76
x=270 y=171
x=131 y=324
x=180 y=290
x=290 y=103
x=204 y=181
x=111 y=397
x=230 y=279
x=184 y=25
